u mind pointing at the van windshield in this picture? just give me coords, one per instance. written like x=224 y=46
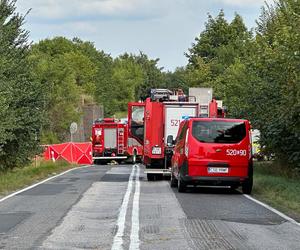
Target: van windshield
x=219 y=131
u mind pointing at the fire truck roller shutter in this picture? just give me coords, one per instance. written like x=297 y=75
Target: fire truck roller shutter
x=110 y=137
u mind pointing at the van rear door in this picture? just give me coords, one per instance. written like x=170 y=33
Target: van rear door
x=219 y=147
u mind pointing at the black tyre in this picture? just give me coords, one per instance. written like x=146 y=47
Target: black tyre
x=248 y=184
x=167 y=177
x=150 y=177
x=173 y=181
x=234 y=187
x=159 y=177
x=100 y=162
x=181 y=186
x=134 y=157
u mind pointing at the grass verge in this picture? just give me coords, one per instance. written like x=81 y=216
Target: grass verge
x=278 y=187
x=19 y=178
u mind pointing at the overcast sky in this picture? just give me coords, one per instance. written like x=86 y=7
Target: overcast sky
x=162 y=29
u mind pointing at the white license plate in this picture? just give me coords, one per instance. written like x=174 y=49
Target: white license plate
x=218 y=170
x=156 y=151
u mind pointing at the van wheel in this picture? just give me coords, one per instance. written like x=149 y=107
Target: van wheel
x=248 y=183
x=181 y=186
x=234 y=187
x=173 y=181
x=247 y=186
x=150 y=177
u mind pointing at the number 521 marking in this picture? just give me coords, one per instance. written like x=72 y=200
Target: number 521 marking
x=175 y=123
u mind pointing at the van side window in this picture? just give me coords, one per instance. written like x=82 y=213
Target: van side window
x=182 y=133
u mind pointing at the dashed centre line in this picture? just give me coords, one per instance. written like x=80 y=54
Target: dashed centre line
x=134 y=236
x=135 y=224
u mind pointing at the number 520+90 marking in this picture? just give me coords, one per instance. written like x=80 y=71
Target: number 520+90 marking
x=234 y=152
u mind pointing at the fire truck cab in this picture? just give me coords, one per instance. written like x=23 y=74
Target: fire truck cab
x=109 y=140
x=212 y=152
x=152 y=121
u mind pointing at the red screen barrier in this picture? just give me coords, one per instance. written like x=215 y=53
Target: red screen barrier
x=79 y=153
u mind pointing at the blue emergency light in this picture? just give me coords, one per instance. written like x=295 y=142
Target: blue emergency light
x=186 y=117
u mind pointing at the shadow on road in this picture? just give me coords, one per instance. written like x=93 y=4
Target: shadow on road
x=212 y=190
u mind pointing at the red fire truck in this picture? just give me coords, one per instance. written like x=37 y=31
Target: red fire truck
x=109 y=140
x=152 y=121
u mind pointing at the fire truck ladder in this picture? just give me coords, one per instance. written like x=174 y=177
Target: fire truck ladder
x=121 y=141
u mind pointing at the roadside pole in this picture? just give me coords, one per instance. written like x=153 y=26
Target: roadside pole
x=73 y=129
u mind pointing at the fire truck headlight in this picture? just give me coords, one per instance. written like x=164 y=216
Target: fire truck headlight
x=156 y=150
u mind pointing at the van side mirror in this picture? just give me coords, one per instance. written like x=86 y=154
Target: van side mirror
x=170 y=140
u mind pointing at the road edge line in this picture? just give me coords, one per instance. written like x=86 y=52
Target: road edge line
x=284 y=216
x=41 y=182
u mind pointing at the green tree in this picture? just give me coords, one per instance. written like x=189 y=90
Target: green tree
x=127 y=75
x=152 y=74
x=263 y=85
x=20 y=96
x=66 y=75
x=216 y=34
x=215 y=50
x=277 y=64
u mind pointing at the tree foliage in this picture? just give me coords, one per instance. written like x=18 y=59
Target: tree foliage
x=257 y=76
x=69 y=70
x=64 y=73
x=20 y=95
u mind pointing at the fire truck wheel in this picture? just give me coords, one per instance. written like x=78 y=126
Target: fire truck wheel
x=150 y=177
x=181 y=186
x=167 y=177
x=173 y=181
x=134 y=157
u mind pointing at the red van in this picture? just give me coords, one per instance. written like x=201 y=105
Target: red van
x=212 y=152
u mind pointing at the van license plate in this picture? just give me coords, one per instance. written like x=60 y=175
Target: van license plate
x=218 y=170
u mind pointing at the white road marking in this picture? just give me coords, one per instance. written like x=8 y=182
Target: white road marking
x=118 y=239
x=273 y=210
x=39 y=183
x=135 y=224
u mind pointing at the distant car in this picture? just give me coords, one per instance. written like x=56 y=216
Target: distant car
x=212 y=152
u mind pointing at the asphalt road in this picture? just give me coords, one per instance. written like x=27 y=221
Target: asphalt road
x=115 y=207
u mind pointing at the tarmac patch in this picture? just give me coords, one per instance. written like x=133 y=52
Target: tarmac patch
x=115 y=178
x=10 y=220
x=46 y=189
